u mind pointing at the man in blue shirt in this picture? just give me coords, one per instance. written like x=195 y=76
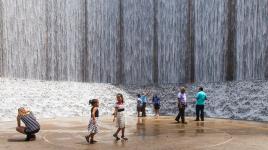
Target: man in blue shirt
x=201 y=97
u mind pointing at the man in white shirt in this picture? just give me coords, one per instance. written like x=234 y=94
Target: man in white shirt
x=182 y=105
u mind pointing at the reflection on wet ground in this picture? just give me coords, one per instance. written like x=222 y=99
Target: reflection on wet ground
x=143 y=133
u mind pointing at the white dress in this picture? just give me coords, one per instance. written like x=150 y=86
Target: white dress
x=120 y=116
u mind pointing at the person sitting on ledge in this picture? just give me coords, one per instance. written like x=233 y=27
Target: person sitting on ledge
x=31 y=125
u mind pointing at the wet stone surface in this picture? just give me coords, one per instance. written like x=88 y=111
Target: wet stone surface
x=149 y=133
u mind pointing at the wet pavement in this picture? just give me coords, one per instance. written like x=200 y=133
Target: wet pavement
x=143 y=133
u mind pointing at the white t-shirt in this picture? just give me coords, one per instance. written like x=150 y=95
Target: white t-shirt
x=182 y=97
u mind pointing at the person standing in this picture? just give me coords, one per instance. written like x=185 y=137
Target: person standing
x=201 y=97
x=156 y=103
x=144 y=103
x=182 y=105
x=139 y=105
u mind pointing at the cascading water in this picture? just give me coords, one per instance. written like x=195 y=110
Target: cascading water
x=251 y=39
x=134 y=41
x=211 y=31
x=140 y=42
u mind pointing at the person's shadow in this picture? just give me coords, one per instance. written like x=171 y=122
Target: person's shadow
x=16 y=140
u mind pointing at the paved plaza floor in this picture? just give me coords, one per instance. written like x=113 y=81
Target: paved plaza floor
x=143 y=133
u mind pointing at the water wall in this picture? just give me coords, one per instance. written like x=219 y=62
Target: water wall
x=134 y=41
x=246 y=100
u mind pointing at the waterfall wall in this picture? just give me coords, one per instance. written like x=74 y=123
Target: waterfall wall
x=134 y=41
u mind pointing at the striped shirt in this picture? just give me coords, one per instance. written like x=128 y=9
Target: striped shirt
x=30 y=122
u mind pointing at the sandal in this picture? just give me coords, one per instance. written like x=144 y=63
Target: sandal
x=124 y=138
x=33 y=138
x=116 y=137
x=30 y=138
x=93 y=141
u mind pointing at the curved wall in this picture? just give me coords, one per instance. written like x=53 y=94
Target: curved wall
x=134 y=41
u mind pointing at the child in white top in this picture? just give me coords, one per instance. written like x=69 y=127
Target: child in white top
x=120 y=117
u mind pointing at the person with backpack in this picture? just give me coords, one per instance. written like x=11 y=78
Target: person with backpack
x=156 y=103
x=181 y=105
x=201 y=97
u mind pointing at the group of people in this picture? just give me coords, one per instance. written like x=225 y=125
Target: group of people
x=200 y=99
x=142 y=103
x=32 y=126
x=119 y=117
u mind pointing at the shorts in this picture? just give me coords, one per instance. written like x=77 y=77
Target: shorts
x=156 y=106
x=139 y=109
x=27 y=131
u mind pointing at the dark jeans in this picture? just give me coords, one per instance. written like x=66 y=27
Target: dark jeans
x=143 y=110
x=200 y=108
x=181 y=114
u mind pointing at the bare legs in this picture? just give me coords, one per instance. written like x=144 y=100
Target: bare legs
x=21 y=130
x=123 y=134
x=117 y=131
x=156 y=113
x=91 y=136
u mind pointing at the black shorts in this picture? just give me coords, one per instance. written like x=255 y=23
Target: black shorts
x=157 y=106
x=139 y=108
x=29 y=132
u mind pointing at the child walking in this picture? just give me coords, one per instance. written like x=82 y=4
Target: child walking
x=93 y=123
x=120 y=117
